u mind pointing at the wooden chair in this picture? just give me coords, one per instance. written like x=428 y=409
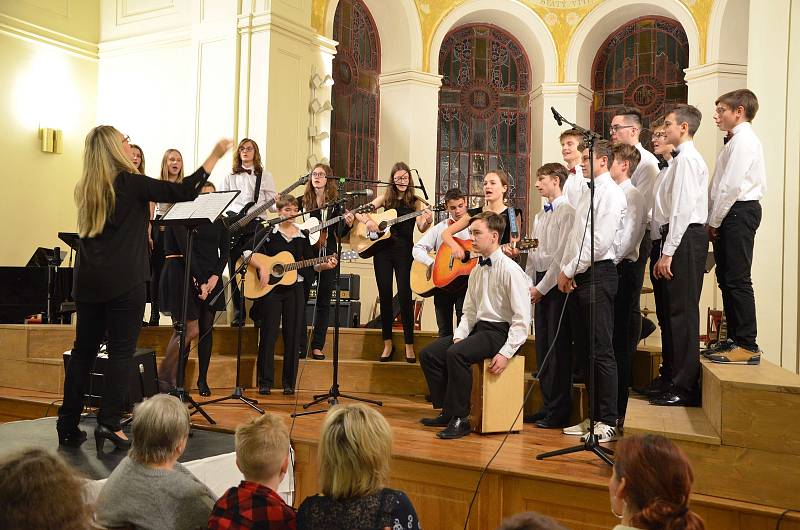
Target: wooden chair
x=496 y=399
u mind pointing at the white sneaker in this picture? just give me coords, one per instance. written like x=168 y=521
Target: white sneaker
x=604 y=433
x=577 y=430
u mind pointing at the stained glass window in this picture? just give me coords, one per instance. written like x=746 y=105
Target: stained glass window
x=484 y=120
x=356 y=66
x=640 y=65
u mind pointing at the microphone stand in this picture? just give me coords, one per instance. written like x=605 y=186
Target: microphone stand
x=591 y=444
x=333 y=395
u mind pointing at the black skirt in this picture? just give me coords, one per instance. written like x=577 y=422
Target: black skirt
x=171 y=292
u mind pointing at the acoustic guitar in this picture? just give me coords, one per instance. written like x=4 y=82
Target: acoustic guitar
x=317 y=235
x=282 y=270
x=367 y=244
x=422 y=278
x=451 y=273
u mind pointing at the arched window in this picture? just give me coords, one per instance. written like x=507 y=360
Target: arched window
x=484 y=119
x=356 y=66
x=640 y=65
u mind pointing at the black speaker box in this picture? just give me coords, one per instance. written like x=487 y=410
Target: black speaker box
x=142 y=382
x=349 y=314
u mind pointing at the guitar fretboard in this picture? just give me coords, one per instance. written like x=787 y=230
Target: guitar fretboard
x=307 y=263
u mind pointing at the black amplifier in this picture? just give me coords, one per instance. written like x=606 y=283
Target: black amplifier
x=349 y=314
x=349 y=285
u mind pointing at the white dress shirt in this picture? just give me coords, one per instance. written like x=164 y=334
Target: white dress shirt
x=575 y=186
x=609 y=214
x=626 y=246
x=498 y=293
x=552 y=230
x=659 y=217
x=684 y=195
x=740 y=174
x=644 y=176
x=431 y=241
x=246 y=184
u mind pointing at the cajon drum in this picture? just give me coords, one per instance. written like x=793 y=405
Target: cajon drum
x=496 y=399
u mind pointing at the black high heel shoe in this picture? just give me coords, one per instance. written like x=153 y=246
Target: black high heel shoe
x=386 y=358
x=202 y=389
x=73 y=437
x=103 y=433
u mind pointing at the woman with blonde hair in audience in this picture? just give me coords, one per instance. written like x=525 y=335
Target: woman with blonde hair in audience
x=149 y=489
x=353 y=456
x=651 y=484
x=28 y=480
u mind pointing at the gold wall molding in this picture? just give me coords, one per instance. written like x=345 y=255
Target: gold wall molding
x=31 y=32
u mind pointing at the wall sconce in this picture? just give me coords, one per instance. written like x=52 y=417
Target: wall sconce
x=52 y=140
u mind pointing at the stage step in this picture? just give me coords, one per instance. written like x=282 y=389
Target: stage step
x=682 y=423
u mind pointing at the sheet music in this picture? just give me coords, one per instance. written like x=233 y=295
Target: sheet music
x=205 y=206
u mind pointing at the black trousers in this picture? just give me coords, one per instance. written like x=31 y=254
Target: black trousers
x=665 y=370
x=156 y=266
x=627 y=324
x=282 y=307
x=605 y=365
x=681 y=327
x=445 y=303
x=323 y=309
x=244 y=241
x=120 y=320
x=447 y=366
x=396 y=259
x=555 y=375
x=733 y=253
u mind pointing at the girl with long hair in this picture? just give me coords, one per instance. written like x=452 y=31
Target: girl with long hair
x=397 y=258
x=651 y=485
x=321 y=190
x=111 y=270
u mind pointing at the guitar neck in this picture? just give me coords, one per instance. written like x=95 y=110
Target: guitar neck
x=405 y=217
x=267 y=205
x=306 y=263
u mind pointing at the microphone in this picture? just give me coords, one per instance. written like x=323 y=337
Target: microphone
x=559 y=119
x=368 y=193
x=421 y=185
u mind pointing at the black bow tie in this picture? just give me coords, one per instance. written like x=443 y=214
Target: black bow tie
x=675 y=153
x=548 y=207
x=663 y=164
x=485 y=262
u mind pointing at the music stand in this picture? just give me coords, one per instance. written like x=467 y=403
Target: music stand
x=205 y=209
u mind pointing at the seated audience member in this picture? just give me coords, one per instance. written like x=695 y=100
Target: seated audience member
x=262 y=455
x=529 y=521
x=28 y=481
x=651 y=484
x=353 y=457
x=149 y=489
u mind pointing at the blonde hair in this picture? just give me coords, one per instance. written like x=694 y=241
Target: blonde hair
x=165 y=165
x=103 y=160
x=354 y=452
x=141 y=157
x=160 y=424
x=262 y=445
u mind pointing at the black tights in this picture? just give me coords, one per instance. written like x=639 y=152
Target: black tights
x=206 y=324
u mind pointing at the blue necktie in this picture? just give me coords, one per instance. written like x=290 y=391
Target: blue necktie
x=548 y=207
x=485 y=261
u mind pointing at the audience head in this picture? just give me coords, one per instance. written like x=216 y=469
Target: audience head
x=262 y=448
x=402 y=187
x=651 y=484
x=137 y=158
x=529 y=521
x=160 y=430
x=485 y=230
x=106 y=153
x=682 y=123
x=456 y=203
x=495 y=185
x=570 y=142
x=733 y=108
x=550 y=180
x=28 y=481
x=624 y=160
x=247 y=157
x=354 y=452
x=626 y=126
x=172 y=166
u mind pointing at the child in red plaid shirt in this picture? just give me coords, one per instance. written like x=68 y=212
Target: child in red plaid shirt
x=262 y=455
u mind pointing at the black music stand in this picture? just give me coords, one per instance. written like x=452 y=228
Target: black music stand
x=333 y=395
x=205 y=209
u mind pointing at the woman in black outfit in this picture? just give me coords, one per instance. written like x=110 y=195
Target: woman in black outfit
x=111 y=270
x=284 y=305
x=321 y=190
x=210 y=250
x=397 y=257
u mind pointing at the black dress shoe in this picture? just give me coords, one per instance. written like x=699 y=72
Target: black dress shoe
x=264 y=390
x=237 y=322
x=671 y=399
x=457 y=428
x=439 y=421
x=202 y=389
x=549 y=423
x=657 y=387
x=318 y=356
x=533 y=418
x=103 y=433
x=288 y=391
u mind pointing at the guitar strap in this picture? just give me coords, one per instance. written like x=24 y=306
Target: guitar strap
x=258 y=188
x=512 y=222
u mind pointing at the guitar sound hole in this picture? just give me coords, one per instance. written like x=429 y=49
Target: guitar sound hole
x=466 y=257
x=382 y=227
x=278 y=270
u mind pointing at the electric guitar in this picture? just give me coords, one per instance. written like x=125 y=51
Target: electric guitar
x=317 y=235
x=451 y=273
x=282 y=270
x=422 y=278
x=367 y=244
x=235 y=223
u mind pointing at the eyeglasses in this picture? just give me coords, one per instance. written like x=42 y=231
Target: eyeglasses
x=247 y=149
x=720 y=110
x=659 y=135
x=616 y=128
x=126 y=138
x=319 y=174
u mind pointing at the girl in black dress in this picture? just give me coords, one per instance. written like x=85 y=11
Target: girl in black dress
x=111 y=270
x=283 y=305
x=210 y=251
x=397 y=257
x=321 y=190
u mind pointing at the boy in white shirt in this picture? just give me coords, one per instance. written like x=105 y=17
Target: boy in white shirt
x=571 y=141
x=734 y=216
